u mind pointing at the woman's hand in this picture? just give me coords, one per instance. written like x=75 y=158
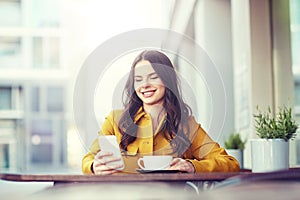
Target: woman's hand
x=182 y=165
x=103 y=163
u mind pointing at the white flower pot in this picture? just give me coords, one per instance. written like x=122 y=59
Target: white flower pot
x=269 y=155
x=237 y=154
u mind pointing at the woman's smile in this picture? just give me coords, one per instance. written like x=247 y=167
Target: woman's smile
x=148 y=93
x=148 y=85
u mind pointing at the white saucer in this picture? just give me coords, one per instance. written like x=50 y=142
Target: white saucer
x=157 y=171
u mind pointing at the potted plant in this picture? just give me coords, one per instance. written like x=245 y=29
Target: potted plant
x=271 y=151
x=235 y=146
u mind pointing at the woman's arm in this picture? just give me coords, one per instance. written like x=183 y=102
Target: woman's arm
x=109 y=127
x=88 y=159
x=206 y=155
x=216 y=160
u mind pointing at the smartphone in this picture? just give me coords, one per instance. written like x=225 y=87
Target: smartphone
x=109 y=143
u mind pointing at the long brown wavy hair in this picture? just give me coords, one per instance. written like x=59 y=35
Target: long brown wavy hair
x=177 y=111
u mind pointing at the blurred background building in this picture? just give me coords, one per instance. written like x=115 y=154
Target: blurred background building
x=255 y=45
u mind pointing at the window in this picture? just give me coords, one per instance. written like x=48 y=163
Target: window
x=10 y=13
x=45 y=13
x=295 y=49
x=295 y=33
x=10 y=52
x=42 y=153
x=46 y=125
x=41 y=127
x=35 y=99
x=46 y=52
x=55 y=97
x=297 y=93
x=11 y=98
x=41 y=140
x=295 y=46
x=5 y=98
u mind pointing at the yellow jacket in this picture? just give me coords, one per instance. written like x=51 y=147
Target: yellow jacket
x=205 y=154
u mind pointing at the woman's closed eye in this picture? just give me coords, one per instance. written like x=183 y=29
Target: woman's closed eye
x=154 y=76
x=138 y=79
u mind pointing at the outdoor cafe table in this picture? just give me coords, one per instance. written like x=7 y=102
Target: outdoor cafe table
x=115 y=186
x=146 y=177
x=164 y=185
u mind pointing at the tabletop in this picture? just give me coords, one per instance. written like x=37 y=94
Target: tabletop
x=238 y=185
x=245 y=175
x=147 y=177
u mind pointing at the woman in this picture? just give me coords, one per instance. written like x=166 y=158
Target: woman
x=156 y=121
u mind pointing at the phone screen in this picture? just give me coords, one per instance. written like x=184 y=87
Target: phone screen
x=109 y=143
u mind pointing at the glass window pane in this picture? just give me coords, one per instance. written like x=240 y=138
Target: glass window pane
x=37 y=52
x=295 y=33
x=295 y=45
x=55 y=97
x=41 y=127
x=5 y=98
x=295 y=11
x=41 y=153
x=10 y=52
x=35 y=99
x=296 y=48
x=4 y=162
x=297 y=94
x=45 y=13
x=62 y=142
x=10 y=13
x=52 y=45
x=298 y=151
x=46 y=53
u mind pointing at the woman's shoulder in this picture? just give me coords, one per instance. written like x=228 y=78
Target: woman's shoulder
x=194 y=128
x=192 y=120
x=115 y=114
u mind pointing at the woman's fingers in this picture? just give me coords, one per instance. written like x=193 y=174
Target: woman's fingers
x=175 y=161
x=182 y=165
x=106 y=158
x=102 y=154
x=104 y=163
x=103 y=170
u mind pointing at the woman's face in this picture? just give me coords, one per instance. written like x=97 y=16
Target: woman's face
x=147 y=84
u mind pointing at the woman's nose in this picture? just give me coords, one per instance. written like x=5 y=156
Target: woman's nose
x=145 y=83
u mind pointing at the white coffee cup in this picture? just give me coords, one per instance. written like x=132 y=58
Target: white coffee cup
x=154 y=162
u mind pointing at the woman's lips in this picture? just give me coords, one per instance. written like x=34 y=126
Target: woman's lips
x=148 y=93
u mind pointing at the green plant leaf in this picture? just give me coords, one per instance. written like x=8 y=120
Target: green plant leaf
x=282 y=125
x=234 y=141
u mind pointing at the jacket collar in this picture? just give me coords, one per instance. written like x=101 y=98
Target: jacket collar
x=139 y=114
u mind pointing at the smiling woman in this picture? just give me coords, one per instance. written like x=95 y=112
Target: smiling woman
x=156 y=121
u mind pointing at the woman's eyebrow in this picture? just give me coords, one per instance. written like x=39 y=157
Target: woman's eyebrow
x=150 y=74
x=153 y=73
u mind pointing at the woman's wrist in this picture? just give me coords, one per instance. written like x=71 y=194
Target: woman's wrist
x=192 y=166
